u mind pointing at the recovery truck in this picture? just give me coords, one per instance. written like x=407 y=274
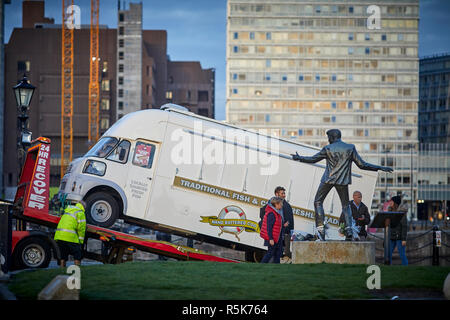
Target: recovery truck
x=35 y=248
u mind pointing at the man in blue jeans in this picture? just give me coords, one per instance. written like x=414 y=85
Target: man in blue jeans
x=398 y=234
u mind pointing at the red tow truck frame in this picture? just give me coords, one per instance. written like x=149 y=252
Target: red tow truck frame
x=31 y=204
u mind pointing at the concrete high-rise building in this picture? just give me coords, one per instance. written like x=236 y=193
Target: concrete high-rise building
x=434 y=95
x=35 y=50
x=301 y=68
x=129 y=59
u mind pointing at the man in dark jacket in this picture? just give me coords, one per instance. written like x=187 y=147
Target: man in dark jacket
x=399 y=232
x=360 y=214
x=288 y=218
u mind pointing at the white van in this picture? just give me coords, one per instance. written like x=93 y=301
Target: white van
x=134 y=173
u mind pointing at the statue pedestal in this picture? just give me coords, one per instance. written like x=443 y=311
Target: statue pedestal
x=342 y=252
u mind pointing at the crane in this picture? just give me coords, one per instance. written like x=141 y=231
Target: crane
x=94 y=90
x=66 y=84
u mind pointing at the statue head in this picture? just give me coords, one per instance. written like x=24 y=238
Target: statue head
x=333 y=135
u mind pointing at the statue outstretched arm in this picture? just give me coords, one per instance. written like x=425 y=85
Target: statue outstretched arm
x=312 y=159
x=368 y=166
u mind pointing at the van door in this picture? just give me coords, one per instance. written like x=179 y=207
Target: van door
x=140 y=177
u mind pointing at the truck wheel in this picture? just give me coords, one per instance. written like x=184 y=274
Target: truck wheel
x=101 y=209
x=32 y=252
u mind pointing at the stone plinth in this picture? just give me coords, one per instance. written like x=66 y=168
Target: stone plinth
x=57 y=290
x=344 y=252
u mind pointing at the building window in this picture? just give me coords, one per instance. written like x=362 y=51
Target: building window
x=203 y=96
x=105 y=85
x=300 y=132
x=317 y=77
x=350 y=77
x=203 y=112
x=235 y=35
x=120 y=106
x=333 y=118
x=121 y=31
x=235 y=49
x=350 y=50
x=350 y=36
x=383 y=37
x=268 y=63
x=120 y=67
x=333 y=104
x=23 y=66
x=268 y=36
x=350 y=9
x=120 y=93
x=105 y=66
x=235 y=76
x=121 y=17
x=120 y=80
x=267 y=117
x=147 y=90
x=252 y=36
x=300 y=77
x=104 y=123
x=105 y=104
x=400 y=37
x=350 y=105
x=367 y=104
x=317 y=9
x=366 y=132
x=169 y=95
x=267 y=77
x=235 y=91
x=367 y=50
x=333 y=77
x=121 y=43
x=284 y=78
x=367 y=37
x=120 y=55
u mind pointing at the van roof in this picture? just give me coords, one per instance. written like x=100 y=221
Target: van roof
x=183 y=110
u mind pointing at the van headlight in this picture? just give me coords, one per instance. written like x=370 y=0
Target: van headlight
x=94 y=167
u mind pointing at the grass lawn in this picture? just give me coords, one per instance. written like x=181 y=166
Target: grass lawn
x=212 y=280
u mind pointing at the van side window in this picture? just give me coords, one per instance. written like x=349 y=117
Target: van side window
x=120 y=153
x=143 y=154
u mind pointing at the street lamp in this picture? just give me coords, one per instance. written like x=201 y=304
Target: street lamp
x=23 y=92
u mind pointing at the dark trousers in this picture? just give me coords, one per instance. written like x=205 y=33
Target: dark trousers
x=287 y=245
x=273 y=251
x=321 y=194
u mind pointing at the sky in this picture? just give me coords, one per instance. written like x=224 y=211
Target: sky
x=197 y=29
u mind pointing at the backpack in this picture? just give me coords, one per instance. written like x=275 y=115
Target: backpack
x=262 y=213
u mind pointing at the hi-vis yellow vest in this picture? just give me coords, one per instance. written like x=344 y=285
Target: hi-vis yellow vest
x=72 y=226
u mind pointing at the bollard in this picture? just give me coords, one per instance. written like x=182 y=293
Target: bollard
x=436 y=245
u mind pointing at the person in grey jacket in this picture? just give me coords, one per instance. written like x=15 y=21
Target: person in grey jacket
x=338 y=174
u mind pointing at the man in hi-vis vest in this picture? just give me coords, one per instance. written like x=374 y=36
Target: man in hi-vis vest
x=70 y=233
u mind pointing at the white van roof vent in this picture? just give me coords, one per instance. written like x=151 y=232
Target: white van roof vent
x=174 y=107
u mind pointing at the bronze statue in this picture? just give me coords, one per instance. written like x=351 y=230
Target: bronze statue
x=338 y=174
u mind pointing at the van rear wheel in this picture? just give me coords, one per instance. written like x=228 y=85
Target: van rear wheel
x=101 y=209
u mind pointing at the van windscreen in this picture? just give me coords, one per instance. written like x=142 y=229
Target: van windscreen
x=102 y=148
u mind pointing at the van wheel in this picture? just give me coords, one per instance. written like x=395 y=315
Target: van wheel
x=32 y=252
x=254 y=256
x=101 y=209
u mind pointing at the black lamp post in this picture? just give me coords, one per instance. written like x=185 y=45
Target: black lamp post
x=23 y=92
